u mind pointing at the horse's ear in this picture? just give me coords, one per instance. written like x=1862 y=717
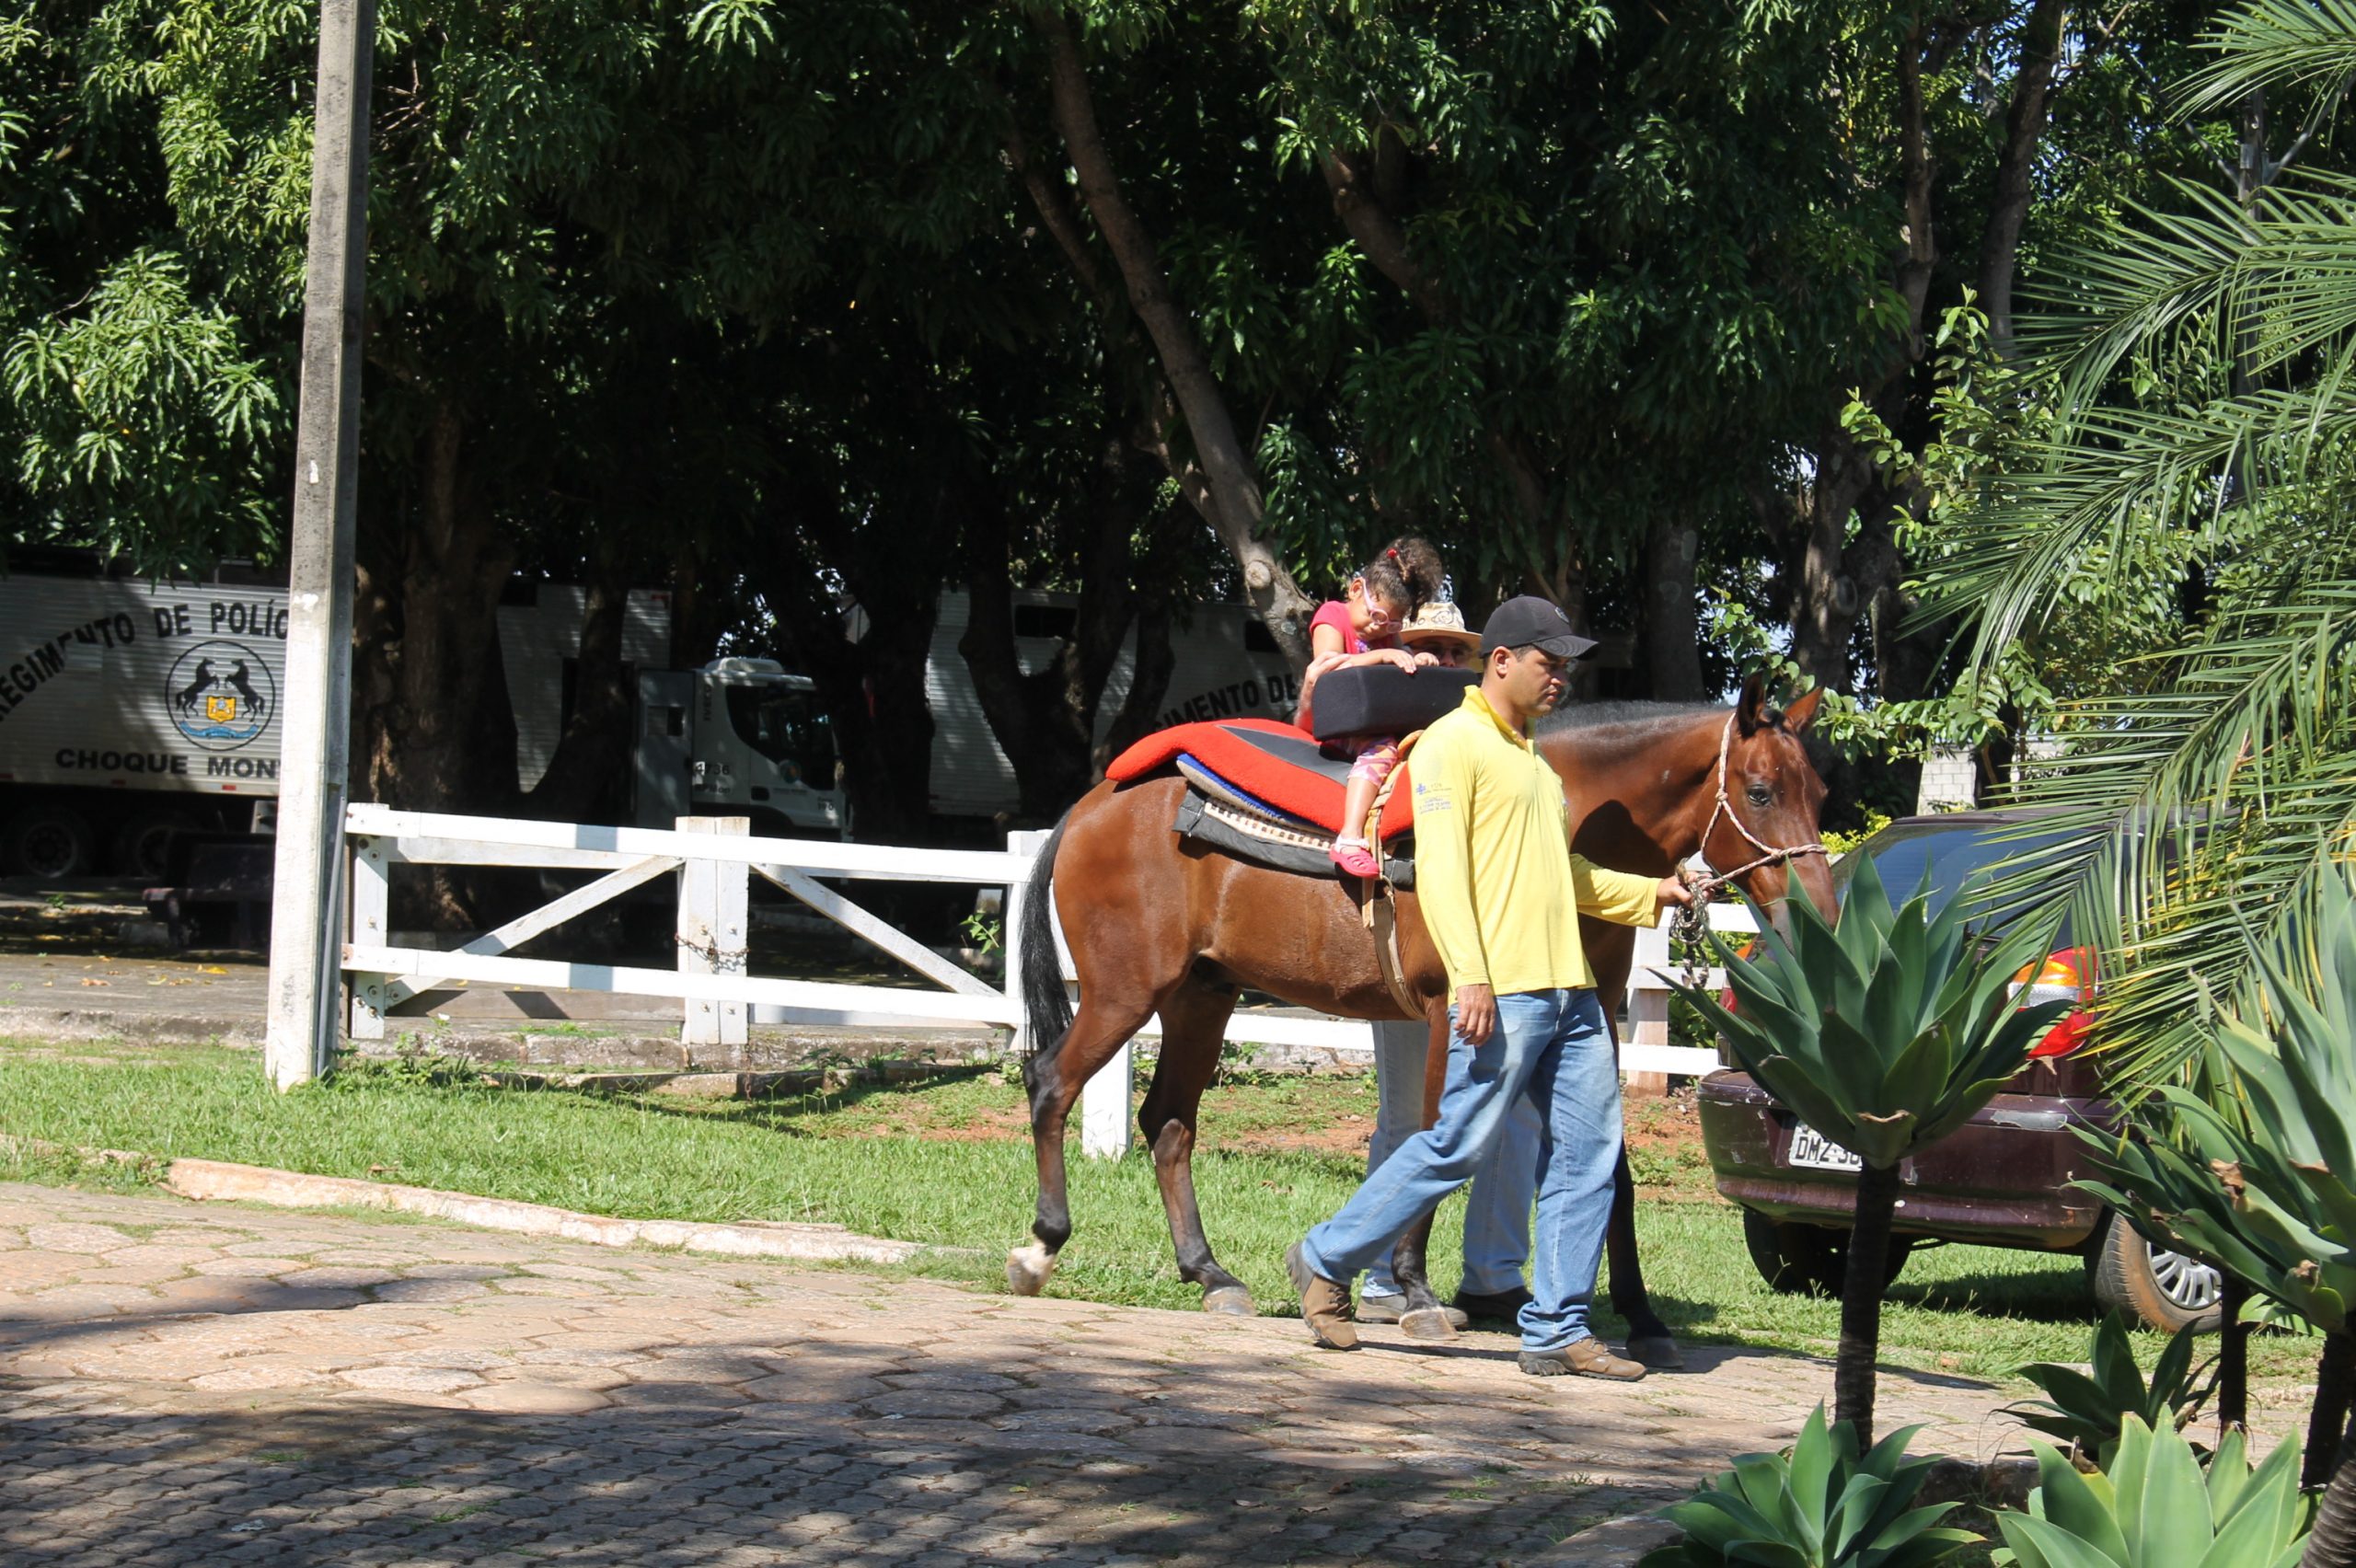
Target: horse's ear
x=1751 y=707
x=1798 y=716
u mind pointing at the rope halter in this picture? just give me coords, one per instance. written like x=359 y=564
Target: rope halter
x=1691 y=922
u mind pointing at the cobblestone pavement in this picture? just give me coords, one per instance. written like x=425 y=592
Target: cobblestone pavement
x=187 y=1384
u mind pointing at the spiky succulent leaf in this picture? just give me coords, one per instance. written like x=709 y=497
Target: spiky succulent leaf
x=1820 y=1506
x=2153 y=1507
x=1885 y=1030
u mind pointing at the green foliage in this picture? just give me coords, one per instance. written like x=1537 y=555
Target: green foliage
x=2087 y=1410
x=2261 y=1174
x=2171 y=497
x=2153 y=1507
x=1822 y=1505
x=1888 y=1032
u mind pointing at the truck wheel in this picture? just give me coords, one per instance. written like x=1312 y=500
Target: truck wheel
x=47 y=841
x=2166 y=1290
x=1809 y=1260
x=142 y=845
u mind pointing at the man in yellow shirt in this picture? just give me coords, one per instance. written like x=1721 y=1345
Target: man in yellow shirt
x=1502 y=894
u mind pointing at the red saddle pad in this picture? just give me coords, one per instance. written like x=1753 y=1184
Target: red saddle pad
x=1269 y=761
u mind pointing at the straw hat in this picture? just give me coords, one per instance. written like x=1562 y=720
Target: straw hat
x=1440 y=620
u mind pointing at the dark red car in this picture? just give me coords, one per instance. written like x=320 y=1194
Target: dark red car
x=2001 y=1179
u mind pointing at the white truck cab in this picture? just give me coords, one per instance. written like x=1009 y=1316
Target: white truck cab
x=739 y=737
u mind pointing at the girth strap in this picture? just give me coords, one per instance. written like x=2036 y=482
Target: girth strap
x=1381 y=915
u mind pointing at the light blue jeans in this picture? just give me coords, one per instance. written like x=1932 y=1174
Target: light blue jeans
x=1552 y=1045
x=1496 y=1211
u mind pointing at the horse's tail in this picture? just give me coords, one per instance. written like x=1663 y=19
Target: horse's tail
x=1046 y=1006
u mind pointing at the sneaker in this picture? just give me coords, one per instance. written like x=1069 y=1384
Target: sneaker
x=1493 y=1306
x=1324 y=1305
x=1388 y=1308
x=1586 y=1357
x=1354 y=858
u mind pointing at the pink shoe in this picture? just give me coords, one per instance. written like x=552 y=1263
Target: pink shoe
x=1354 y=858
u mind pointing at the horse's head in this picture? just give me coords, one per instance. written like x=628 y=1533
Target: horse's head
x=1775 y=796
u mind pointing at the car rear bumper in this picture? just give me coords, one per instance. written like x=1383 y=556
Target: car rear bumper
x=2000 y=1179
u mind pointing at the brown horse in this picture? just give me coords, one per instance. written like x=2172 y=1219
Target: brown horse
x=1158 y=924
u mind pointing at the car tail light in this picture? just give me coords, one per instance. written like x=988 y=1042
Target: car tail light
x=2067 y=975
x=1726 y=994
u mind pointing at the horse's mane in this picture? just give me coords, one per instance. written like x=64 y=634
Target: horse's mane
x=1640 y=716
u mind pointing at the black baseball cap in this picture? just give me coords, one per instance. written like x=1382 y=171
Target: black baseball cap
x=1529 y=621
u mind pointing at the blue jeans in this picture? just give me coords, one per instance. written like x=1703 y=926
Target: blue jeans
x=1552 y=1045
x=1497 y=1214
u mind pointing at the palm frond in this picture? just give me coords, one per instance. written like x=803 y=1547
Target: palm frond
x=2276 y=43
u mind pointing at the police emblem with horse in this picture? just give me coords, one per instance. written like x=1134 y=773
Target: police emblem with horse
x=220 y=695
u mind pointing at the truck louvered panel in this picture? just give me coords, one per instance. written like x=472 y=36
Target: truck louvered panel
x=137 y=686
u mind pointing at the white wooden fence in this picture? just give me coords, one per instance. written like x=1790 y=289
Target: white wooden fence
x=714 y=858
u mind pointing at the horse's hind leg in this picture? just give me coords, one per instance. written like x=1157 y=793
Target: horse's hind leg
x=1055 y=1078
x=1423 y=1317
x=1194 y=1023
x=1649 y=1340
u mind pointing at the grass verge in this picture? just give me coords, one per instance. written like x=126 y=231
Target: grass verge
x=949 y=1164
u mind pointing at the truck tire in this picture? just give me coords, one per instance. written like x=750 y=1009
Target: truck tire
x=1809 y=1260
x=48 y=841
x=142 y=845
x=2165 y=1290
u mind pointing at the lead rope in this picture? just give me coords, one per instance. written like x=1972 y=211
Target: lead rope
x=1690 y=924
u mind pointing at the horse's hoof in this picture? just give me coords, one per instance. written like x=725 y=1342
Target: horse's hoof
x=1027 y=1269
x=1230 y=1300
x=1659 y=1352
x=1426 y=1323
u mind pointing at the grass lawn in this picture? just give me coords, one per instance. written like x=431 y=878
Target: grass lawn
x=950 y=1164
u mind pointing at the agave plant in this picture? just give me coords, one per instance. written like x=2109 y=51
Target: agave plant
x=1883 y=1033
x=1820 y=1506
x=2153 y=1507
x=2265 y=1182
x=2088 y=1411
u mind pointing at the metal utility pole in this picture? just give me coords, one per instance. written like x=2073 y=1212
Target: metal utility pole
x=306 y=915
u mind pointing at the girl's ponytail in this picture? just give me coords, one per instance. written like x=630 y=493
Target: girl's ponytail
x=1407 y=572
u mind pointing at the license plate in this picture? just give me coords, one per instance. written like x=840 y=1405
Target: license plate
x=1813 y=1150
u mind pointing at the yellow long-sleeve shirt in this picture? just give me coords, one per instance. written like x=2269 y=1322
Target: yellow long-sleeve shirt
x=1500 y=888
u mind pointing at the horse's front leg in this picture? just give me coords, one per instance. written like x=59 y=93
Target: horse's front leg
x=1194 y=1023
x=1649 y=1340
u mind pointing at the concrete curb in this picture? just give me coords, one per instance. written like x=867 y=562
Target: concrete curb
x=1616 y=1543
x=217 y=1181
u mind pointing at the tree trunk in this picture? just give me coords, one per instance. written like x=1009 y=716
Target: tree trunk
x=2335 y=1380
x=1672 y=622
x=2233 y=1355
x=2025 y=116
x=2332 y=1544
x=1861 y=1291
x=1229 y=495
x=438 y=732
x=1149 y=680
x=1825 y=609
x=589 y=774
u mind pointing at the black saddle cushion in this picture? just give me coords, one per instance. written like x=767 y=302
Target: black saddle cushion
x=1383 y=700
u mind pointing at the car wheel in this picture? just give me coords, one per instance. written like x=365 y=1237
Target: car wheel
x=48 y=841
x=1809 y=1260
x=2166 y=1290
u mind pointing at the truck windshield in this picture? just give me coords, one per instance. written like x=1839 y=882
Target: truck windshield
x=786 y=727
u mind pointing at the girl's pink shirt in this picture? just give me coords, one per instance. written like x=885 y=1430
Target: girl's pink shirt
x=1335 y=612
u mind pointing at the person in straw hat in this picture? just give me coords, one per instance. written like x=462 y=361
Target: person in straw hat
x=1496 y=1213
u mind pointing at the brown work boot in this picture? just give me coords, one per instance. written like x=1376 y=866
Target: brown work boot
x=1324 y=1305
x=1586 y=1357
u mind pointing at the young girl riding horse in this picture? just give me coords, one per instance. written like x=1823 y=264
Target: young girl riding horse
x=1362 y=628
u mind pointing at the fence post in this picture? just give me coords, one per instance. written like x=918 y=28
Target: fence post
x=371 y=909
x=712 y=921
x=1647 y=1008
x=1026 y=842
